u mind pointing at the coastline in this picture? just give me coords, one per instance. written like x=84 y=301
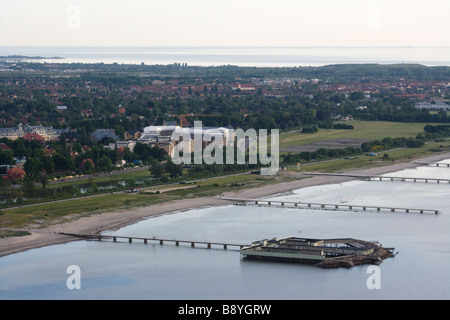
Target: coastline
x=117 y=219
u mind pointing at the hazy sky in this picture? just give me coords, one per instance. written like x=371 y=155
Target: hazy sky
x=224 y=23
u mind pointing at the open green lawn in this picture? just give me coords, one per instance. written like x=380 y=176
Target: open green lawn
x=395 y=156
x=366 y=130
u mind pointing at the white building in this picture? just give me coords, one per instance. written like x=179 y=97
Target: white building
x=173 y=135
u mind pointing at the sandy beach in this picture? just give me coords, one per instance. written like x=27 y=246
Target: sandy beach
x=117 y=219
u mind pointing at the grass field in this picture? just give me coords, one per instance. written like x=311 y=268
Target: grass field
x=365 y=130
x=398 y=155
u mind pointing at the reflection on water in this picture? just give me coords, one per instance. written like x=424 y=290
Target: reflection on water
x=151 y=271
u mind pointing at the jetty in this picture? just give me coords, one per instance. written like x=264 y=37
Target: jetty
x=323 y=206
x=329 y=253
x=131 y=239
x=380 y=178
x=435 y=164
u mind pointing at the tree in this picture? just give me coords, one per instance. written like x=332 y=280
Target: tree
x=44 y=181
x=415 y=143
x=28 y=186
x=15 y=174
x=119 y=131
x=156 y=169
x=48 y=165
x=63 y=163
x=33 y=167
x=105 y=163
x=6 y=157
x=174 y=170
x=87 y=165
x=357 y=95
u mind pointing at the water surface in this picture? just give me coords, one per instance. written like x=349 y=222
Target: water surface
x=150 y=271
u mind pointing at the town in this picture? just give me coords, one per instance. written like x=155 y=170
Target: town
x=70 y=120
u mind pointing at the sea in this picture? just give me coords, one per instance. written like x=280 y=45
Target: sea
x=238 y=56
x=107 y=270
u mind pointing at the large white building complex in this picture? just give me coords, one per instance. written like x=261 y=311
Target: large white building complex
x=167 y=137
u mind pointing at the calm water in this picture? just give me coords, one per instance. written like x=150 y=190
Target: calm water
x=150 y=271
x=241 y=56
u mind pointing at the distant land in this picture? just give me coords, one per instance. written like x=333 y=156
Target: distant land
x=28 y=57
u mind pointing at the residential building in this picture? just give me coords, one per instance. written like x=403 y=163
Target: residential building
x=101 y=134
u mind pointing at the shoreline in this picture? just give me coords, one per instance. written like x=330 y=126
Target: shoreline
x=121 y=218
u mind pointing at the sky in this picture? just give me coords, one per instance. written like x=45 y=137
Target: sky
x=233 y=23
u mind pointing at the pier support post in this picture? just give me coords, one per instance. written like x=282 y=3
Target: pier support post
x=145 y=241
x=130 y=240
x=224 y=247
x=192 y=244
x=209 y=245
x=114 y=239
x=378 y=209
x=177 y=243
x=161 y=242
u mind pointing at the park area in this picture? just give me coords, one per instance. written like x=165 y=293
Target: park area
x=363 y=131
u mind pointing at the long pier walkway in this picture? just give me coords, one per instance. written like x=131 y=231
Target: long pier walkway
x=130 y=239
x=379 y=178
x=323 y=206
x=435 y=164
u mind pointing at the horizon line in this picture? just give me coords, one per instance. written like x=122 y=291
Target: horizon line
x=218 y=46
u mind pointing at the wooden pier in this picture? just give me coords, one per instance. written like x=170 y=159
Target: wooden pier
x=129 y=239
x=434 y=164
x=380 y=178
x=323 y=206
